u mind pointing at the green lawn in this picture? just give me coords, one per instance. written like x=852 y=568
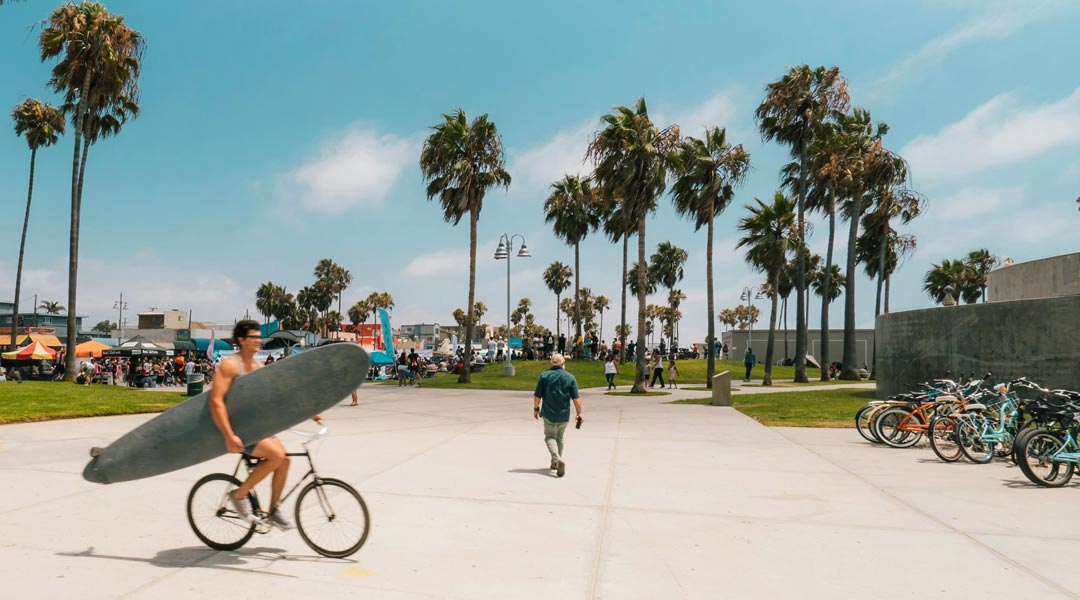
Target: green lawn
x=824 y=408
x=42 y=400
x=590 y=373
x=812 y=383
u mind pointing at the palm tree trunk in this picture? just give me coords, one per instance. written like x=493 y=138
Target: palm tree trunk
x=710 y=367
x=73 y=236
x=877 y=300
x=558 y=317
x=888 y=280
x=785 y=331
x=640 y=375
x=22 y=247
x=577 y=297
x=850 y=369
x=800 y=275
x=823 y=360
x=466 y=373
x=769 y=348
x=622 y=320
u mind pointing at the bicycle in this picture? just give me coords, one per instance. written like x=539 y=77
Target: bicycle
x=330 y=515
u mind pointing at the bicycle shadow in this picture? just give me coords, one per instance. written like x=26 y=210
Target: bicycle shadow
x=545 y=472
x=237 y=561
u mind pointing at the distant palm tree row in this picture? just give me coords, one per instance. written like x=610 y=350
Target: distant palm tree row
x=965 y=276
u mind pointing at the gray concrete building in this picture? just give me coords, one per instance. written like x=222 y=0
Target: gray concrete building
x=737 y=340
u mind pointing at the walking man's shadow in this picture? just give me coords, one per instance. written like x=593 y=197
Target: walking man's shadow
x=544 y=472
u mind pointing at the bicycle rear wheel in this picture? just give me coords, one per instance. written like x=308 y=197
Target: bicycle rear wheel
x=863 y=423
x=943 y=438
x=332 y=518
x=888 y=424
x=211 y=515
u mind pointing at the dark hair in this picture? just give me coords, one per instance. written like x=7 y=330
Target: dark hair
x=243 y=327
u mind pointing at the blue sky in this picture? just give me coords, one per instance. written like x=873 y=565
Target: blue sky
x=272 y=138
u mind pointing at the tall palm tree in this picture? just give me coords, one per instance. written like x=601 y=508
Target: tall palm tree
x=557 y=279
x=574 y=209
x=827 y=288
x=877 y=170
x=666 y=264
x=97 y=73
x=460 y=162
x=264 y=300
x=334 y=276
x=601 y=303
x=632 y=159
x=42 y=125
x=794 y=112
x=711 y=170
x=769 y=234
x=619 y=227
x=358 y=313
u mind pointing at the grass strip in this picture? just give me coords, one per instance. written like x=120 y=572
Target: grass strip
x=43 y=400
x=824 y=408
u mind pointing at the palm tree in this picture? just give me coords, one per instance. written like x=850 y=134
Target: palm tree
x=770 y=233
x=264 y=300
x=956 y=274
x=632 y=159
x=728 y=317
x=97 y=74
x=334 y=276
x=358 y=313
x=601 y=303
x=574 y=210
x=885 y=243
x=878 y=170
x=981 y=261
x=711 y=169
x=557 y=279
x=619 y=227
x=42 y=125
x=51 y=307
x=794 y=112
x=835 y=283
x=633 y=282
x=460 y=161
x=667 y=266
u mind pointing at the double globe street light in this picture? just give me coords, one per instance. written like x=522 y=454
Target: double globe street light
x=749 y=294
x=506 y=247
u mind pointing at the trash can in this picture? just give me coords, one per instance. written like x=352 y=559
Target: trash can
x=195 y=383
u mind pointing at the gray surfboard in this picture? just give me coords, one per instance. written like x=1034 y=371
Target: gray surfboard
x=260 y=404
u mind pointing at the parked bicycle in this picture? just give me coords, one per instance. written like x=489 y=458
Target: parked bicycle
x=330 y=515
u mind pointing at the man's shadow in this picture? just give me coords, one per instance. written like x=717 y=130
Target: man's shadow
x=545 y=472
x=206 y=558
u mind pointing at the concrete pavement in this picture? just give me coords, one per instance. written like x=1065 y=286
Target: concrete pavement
x=659 y=501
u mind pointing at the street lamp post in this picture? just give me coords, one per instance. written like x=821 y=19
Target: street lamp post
x=749 y=294
x=506 y=246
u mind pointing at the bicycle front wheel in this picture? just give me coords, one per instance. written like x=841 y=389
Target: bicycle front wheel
x=1037 y=459
x=943 y=438
x=211 y=515
x=969 y=438
x=332 y=518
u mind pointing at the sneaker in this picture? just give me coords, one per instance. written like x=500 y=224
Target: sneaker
x=554 y=465
x=560 y=468
x=243 y=508
x=279 y=520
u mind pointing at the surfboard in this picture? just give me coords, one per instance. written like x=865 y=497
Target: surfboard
x=260 y=404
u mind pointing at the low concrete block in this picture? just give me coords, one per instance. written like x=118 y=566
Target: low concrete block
x=721 y=389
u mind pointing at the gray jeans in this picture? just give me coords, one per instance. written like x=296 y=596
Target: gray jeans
x=553 y=437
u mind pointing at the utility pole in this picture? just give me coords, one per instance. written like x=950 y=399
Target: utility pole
x=120 y=305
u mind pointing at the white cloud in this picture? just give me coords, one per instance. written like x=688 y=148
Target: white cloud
x=967 y=202
x=1001 y=20
x=444 y=262
x=563 y=154
x=358 y=169
x=719 y=110
x=998 y=133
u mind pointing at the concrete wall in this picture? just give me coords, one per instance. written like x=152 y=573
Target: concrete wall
x=1038 y=339
x=1045 y=278
x=737 y=339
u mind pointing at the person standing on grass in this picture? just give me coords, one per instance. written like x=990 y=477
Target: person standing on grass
x=611 y=369
x=748 y=361
x=555 y=390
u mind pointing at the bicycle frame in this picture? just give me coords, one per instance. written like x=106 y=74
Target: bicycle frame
x=252 y=461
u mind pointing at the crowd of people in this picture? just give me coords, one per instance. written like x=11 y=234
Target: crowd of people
x=143 y=371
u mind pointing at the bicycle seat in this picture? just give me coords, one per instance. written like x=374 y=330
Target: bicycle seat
x=250 y=460
x=974 y=406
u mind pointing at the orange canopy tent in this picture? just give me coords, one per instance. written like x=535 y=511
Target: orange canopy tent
x=34 y=351
x=91 y=348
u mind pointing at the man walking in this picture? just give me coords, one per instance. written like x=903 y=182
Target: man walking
x=556 y=388
x=748 y=361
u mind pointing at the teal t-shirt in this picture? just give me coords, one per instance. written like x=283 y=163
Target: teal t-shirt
x=556 y=388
